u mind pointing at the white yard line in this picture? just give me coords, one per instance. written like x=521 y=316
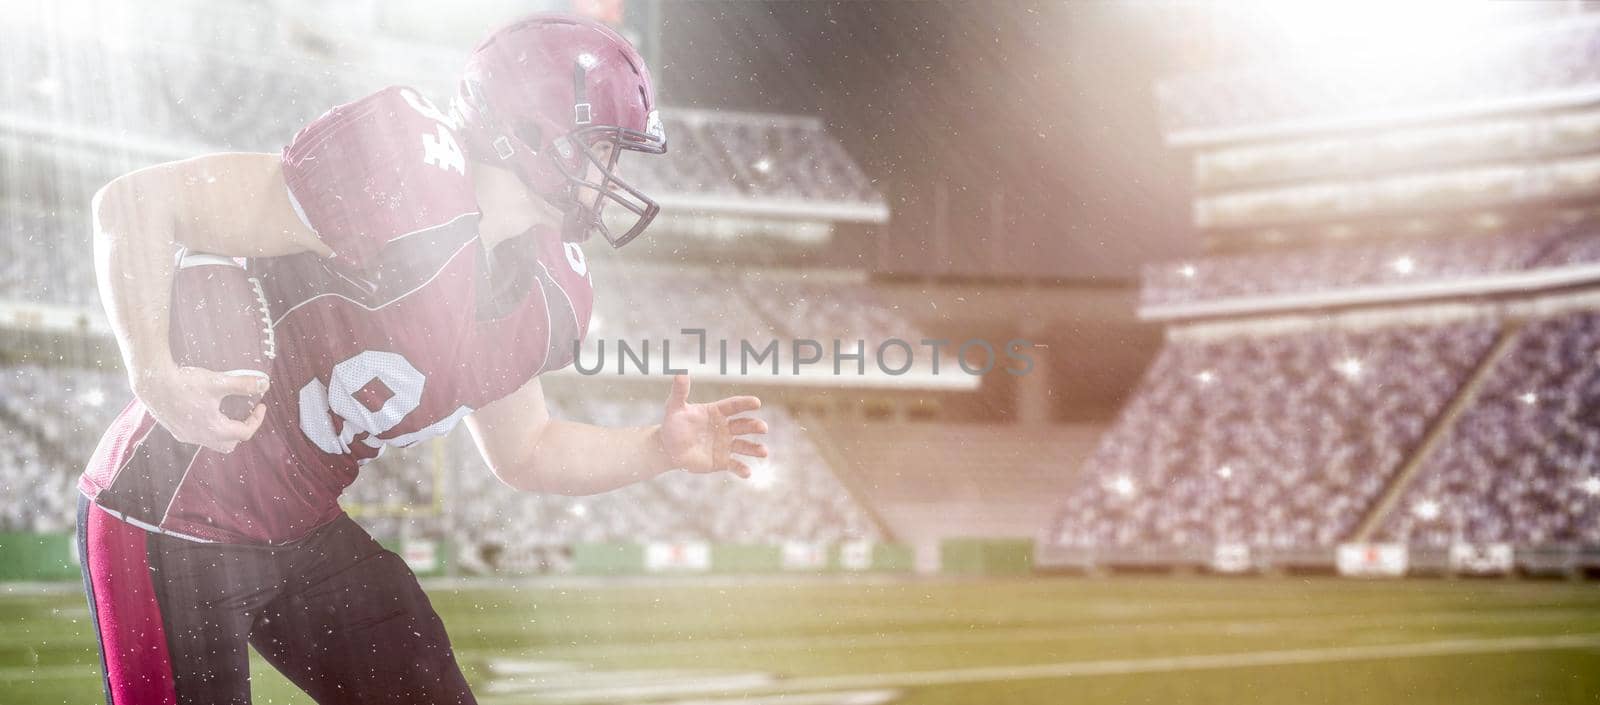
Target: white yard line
x=1198 y=662
x=849 y=697
x=634 y=690
x=584 y=681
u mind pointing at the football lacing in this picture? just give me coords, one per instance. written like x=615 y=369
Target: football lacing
x=269 y=340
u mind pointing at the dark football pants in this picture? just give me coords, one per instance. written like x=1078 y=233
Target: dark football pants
x=336 y=613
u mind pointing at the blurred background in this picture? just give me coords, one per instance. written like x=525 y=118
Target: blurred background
x=1313 y=290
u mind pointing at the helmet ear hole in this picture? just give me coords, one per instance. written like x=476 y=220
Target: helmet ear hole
x=531 y=135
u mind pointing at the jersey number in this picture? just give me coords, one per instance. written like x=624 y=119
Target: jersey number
x=371 y=393
x=440 y=148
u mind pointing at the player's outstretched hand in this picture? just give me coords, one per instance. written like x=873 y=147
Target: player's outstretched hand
x=187 y=401
x=704 y=437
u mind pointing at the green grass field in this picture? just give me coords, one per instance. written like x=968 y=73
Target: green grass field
x=1067 y=640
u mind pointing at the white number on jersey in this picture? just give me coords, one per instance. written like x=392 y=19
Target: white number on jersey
x=440 y=149
x=443 y=152
x=388 y=381
x=575 y=258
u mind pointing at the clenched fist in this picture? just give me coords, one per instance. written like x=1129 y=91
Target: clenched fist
x=187 y=401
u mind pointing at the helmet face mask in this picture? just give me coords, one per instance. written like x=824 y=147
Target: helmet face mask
x=585 y=216
x=540 y=96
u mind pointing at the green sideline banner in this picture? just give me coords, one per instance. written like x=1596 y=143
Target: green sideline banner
x=35 y=557
x=978 y=556
x=613 y=558
x=871 y=556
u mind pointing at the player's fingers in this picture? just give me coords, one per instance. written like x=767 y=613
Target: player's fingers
x=242 y=385
x=743 y=447
x=737 y=405
x=745 y=425
x=721 y=440
x=229 y=430
x=739 y=469
x=680 y=391
x=253 y=422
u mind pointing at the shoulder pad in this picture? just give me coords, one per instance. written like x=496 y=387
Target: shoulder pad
x=378 y=169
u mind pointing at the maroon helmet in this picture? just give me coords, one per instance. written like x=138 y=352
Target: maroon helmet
x=540 y=94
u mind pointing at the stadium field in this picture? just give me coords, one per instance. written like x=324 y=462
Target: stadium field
x=1066 y=640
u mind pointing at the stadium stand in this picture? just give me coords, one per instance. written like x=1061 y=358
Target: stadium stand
x=782 y=158
x=1382 y=263
x=822 y=309
x=1518 y=467
x=45 y=414
x=641 y=303
x=1299 y=403
x=35 y=242
x=1273 y=440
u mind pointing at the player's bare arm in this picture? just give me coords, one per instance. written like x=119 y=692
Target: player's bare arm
x=231 y=204
x=530 y=451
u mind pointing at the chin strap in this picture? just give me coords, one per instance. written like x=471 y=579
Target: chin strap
x=575 y=227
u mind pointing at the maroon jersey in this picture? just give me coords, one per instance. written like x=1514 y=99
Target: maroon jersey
x=389 y=343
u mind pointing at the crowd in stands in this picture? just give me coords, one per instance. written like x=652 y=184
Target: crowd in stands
x=1522 y=465
x=40 y=259
x=780 y=158
x=651 y=304
x=50 y=419
x=823 y=310
x=1379 y=263
x=1276 y=439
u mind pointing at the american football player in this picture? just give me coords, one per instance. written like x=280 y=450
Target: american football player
x=422 y=266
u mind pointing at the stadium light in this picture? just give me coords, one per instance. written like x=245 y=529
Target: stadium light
x=1205 y=377
x=1404 y=265
x=1426 y=510
x=1529 y=398
x=1378 y=36
x=1591 y=485
x=1123 y=485
x=1187 y=271
x=1225 y=472
x=762 y=475
x=1350 y=367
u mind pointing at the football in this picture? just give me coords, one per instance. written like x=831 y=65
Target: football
x=220 y=321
